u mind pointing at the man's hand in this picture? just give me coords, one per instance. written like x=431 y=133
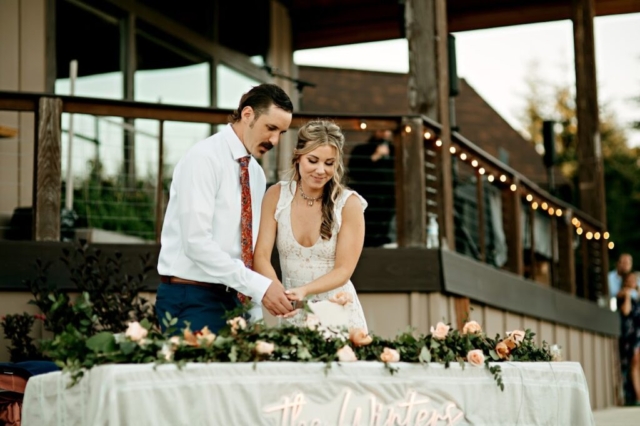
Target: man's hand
x=275 y=300
x=382 y=151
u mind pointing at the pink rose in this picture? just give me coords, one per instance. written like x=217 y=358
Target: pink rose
x=441 y=331
x=190 y=338
x=135 y=331
x=342 y=298
x=264 y=348
x=475 y=357
x=389 y=355
x=237 y=323
x=359 y=337
x=516 y=335
x=471 y=327
x=40 y=317
x=346 y=354
x=206 y=337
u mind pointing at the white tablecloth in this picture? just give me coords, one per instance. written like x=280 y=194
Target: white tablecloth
x=288 y=394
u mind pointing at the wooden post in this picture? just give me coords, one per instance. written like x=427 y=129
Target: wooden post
x=566 y=271
x=47 y=179
x=411 y=202
x=128 y=65
x=481 y=227
x=513 y=229
x=532 y=252
x=426 y=31
x=160 y=182
x=590 y=166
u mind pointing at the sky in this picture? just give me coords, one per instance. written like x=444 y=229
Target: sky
x=497 y=61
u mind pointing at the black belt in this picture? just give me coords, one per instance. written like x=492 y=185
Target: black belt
x=180 y=281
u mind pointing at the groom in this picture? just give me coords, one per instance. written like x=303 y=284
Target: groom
x=211 y=223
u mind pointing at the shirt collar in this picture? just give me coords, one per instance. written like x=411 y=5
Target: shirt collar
x=235 y=144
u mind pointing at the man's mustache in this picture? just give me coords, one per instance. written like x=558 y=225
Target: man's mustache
x=267 y=145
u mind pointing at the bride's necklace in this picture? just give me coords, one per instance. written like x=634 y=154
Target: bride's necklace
x=310 y=201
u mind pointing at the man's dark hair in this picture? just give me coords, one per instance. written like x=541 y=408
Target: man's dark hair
x=260 y=98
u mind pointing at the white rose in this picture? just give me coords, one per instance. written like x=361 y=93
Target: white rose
x=440 y=331
x=346 y=354
x=264 y=348
x=237 y=323
x=135 y=331
x=516 y=335
x=167 y=351
x=312 y=321
x=472 y=327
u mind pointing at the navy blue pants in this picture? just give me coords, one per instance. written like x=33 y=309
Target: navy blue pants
x=200 y=306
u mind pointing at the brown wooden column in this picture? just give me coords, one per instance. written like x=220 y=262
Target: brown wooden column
x=426 y=32
x=481 y=220
x=590 y=167
x=160 y=182
x=411 y=203
x=511 y=218
x=566 y=271
x=47 y=170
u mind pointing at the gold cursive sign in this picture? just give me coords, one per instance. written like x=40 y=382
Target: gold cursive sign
x=414 y=410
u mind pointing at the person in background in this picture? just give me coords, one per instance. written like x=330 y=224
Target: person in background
x=629 y=342
x=624 y=266
x=372 y=174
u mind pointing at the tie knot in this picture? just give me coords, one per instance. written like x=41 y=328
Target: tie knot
x=244 y=161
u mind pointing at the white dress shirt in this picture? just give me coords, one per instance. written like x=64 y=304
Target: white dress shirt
x=201 y=230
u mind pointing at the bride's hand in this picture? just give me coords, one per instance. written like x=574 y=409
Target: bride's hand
x=296 y=294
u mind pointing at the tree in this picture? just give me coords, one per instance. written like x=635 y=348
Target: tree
x=548 y=101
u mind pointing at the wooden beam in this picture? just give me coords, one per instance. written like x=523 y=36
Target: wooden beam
x=47 y=179
x=160 y=182
x=513 y=230
x=411 y=203
x=566 y=271
x=590 y=164
x=8 y=132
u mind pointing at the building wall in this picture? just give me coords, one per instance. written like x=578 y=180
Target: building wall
x=22 y=68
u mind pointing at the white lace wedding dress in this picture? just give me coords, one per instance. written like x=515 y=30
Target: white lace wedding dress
x=301 y=265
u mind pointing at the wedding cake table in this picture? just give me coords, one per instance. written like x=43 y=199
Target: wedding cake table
x=296 y=394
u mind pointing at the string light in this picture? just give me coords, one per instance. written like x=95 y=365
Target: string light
x=438 y=142
x=529 y=197
x=611 y=245
x=427 y=135
x=474 y=163
x=544 y=206
x=452 y=150
x=534 y=205
x=596 y=235
x=503 y=178
x=575 y=222
x=463 y=156
x=490 y=178
x=407 y=129
x=513 y=187
x=481 y=170
x=551 y=211
x=558 y=212
x=579 y=231
x=363 y=125
x=606 y=236
x=589 y=235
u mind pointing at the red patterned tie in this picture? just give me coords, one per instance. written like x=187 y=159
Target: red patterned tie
x=246 y=218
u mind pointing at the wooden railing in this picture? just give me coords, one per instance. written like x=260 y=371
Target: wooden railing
x=419 y=193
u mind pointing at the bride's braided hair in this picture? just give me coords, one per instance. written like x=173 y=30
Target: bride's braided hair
x=310 y=136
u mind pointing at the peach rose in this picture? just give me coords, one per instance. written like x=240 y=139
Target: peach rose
x=516 y=335
x=190 y=338
x=389 y=355
x=503 y=350
x=359 y=337
x=264 y=348
x=237 y=323
x=471 y=327
x=341 y=298
x=167 y=351
x=346 y=354
x=206 y=337
x=440 y=331
x=175 y=341
x=510 y=343
x=475 y=357
x=136 y=332
x=312 y=322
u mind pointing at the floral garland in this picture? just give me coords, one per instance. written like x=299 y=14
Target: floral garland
x=239 y=341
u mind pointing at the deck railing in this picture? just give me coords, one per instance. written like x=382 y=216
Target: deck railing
x=499 y=216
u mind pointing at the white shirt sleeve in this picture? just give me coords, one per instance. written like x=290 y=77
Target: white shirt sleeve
x=196 y=193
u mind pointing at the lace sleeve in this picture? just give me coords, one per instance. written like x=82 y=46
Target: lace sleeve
x=342 y=201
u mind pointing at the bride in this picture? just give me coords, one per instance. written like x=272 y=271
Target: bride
x=317 y=225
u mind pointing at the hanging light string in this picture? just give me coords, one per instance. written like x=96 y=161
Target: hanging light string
x=536 y=201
